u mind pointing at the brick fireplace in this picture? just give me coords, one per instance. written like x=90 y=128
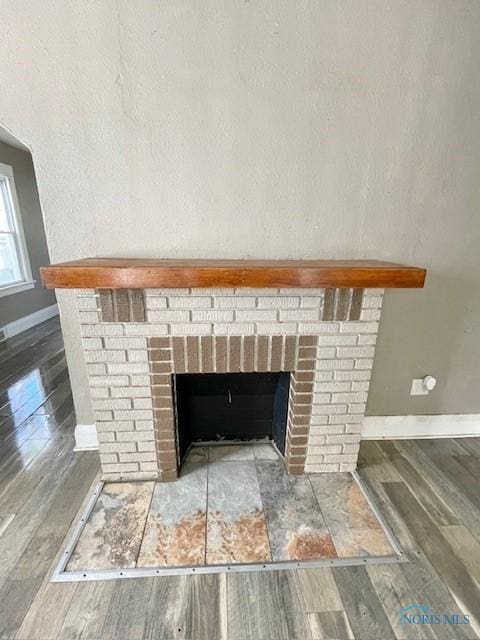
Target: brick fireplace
x=135 y=341
x=137 y=338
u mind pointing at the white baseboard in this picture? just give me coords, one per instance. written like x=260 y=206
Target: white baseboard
x=462 y=425
x=27 y=322
x=86 y=437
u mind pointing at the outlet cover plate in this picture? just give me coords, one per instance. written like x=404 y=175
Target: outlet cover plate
x=418 y=388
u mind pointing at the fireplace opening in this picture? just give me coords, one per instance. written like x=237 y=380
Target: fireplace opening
x=231 y=406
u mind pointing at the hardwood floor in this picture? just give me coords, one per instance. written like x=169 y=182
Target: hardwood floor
x=426 y=489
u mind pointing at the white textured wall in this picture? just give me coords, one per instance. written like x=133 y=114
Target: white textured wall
x=266 y=129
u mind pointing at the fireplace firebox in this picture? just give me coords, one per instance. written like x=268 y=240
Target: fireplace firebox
x=231 y=406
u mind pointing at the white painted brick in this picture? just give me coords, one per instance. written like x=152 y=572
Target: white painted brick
x=109 y=381
x=112 y=403
x=85 y=292
x=348 y=467
x=278 y=328
x=92 y=344
x=336 y=340
x=149 y=466
x=184 y=291
x=120 y=468
x=351 y=448
x=321 y=398
x=134 y=414
x=353 y=375
x=320 y=419
x=341 y=458
x=372 y=302
x=234 y=328
x=355 y=352
x=100 y=392
x=316 y=440
x=256 y=315
x=131 y=392
x=364 y=363
x=148 y=445
x=318 y=328
x=334 y=429
x=322 y=468
x=299 y=315
x=360 y=386
x=96 y=369
x=330 y=449
x=370 y=314
x=326 y=409
x=330 y=387
x=169 y=315
x=342 y=439
x=88 y=317
x=156 y=303
x=311 y=302
x=106 y=355
x=212 y=315
x=323 y=376
x=144 y=425
x=139 y=381
x=107 y=436
x=146 y=329
x=190 y=302
x=130 y=437
x=137 y=355
x=103 y=415
x=357 y=408
x=216 y=291
x=108 y=458
x=280 y=302
x=190 y=329
x=104 y=329
x=118 y=447
x=234 y=302
x=253 y=291
x=367 y=339
x=342 y=418
x=143 y=456
x=321 y=365
x=353 y=428
x=129 y=367
x=115 y=425
x=87 y=303
x=358 y=327
x=303 y=291
x=326 y=353
x=125 y=343
x=358 y=396
x=142 y=403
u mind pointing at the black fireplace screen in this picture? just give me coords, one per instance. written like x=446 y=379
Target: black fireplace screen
x=231 y=406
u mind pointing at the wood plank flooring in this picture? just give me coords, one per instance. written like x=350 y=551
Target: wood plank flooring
x=427 y=490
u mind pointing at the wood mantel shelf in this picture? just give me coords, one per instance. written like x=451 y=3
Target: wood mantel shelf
x=135 y=273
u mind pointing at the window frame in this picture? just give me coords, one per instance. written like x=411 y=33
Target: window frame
x=27 y=282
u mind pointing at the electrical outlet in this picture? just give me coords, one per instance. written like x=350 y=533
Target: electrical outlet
x=418 y=388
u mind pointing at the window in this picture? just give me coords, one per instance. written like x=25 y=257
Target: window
x=15 y=272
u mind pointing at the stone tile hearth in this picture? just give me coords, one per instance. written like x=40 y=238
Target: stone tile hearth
x=231 y=505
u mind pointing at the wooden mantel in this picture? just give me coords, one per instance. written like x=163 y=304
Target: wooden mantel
x=135 y=273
